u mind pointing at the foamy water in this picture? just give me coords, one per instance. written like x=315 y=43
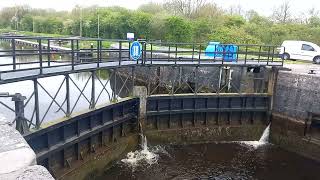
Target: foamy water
x=264 y=140
x=150 y=156
x=144 y=155
x=2 y=118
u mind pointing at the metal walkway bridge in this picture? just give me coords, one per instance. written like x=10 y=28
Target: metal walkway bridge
x=49 y=59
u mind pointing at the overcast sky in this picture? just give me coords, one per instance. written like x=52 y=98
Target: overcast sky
x=264 y=7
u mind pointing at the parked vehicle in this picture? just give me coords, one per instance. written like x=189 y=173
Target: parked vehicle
x=300 y=50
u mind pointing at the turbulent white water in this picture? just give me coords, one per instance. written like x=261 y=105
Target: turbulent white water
x=264 y=139
x=265 y=136
x=150 y=156
x=2 y=118
x=145 y=155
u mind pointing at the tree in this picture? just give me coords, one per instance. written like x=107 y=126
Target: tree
x=141 y=24
x=178 y=29
x=235 y=20
x=151 y=8
x=210 y=11
x=201 y=30
x=282 y=14
x=185 y=8
x=27 y=23
x=233 y=36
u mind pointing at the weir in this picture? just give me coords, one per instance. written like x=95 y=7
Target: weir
x=80 y=116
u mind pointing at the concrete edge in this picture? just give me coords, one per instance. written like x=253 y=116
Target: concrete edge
x=17 y=159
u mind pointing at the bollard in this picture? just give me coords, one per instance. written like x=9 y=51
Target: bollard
x=141 y=93
x=21 y=123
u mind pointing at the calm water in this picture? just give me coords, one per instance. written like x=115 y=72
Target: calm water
x=221 y=161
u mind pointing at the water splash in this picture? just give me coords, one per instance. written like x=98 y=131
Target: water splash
x=264 y=139
x=143 y=155
x=265 y=136
x=3 y=119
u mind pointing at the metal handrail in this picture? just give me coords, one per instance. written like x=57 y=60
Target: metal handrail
x=45 y=48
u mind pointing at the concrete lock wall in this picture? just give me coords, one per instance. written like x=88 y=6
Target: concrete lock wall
x=296 y=95
x=18 y=160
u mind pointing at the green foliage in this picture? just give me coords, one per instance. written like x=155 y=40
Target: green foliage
x=233 y=35
x=234 y=21
x=194 y=23
x=178 y=29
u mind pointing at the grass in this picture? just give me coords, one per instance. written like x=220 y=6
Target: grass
x=28 y=33
x=297 y=62
x=82 y=44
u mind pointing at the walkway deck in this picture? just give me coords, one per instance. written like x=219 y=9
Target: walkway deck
x=117 y=55
x=27 y=74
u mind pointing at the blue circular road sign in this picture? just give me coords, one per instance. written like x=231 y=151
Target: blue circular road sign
x=135 y=50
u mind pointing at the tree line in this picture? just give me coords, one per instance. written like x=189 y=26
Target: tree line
x=173 y=21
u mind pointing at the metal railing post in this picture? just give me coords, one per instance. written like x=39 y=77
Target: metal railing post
x=151 y=49
x=72 y=55
x=169 y=53
x=145 y=52
x=36 y=102
x=199 y=54
x=129 y=53
x=13 y=44
x=259 y=54
x=40 y=54
x=48 y=51
x=120 y=52
x=68 y=112
x=98 y=53
x=114 y=98
x=176 y=54
x=192 y=52
x=246 y=55
x=93 y=93
x=21 y=123
x=77 y=46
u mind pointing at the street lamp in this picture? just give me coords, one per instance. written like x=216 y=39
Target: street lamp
x=98 y=23
x=80 y=22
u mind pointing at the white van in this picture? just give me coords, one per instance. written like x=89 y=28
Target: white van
x=300 y=50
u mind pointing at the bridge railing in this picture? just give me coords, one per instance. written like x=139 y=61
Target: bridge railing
x=43 y=53
x=242 y=54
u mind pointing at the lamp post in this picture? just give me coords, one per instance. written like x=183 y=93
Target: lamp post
x=98 y=23
x=80 y=22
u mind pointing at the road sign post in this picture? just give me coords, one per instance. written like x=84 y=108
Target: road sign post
x=135 y=50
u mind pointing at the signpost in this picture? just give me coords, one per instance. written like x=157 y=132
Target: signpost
x=135 y=50
x=130 y=36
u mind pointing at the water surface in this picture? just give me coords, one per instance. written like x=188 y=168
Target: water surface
x=220 y=161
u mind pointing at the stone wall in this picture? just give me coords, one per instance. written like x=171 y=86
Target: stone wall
x=297 y=94
x=289 y=134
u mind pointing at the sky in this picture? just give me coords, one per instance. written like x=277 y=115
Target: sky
x=264 y=7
